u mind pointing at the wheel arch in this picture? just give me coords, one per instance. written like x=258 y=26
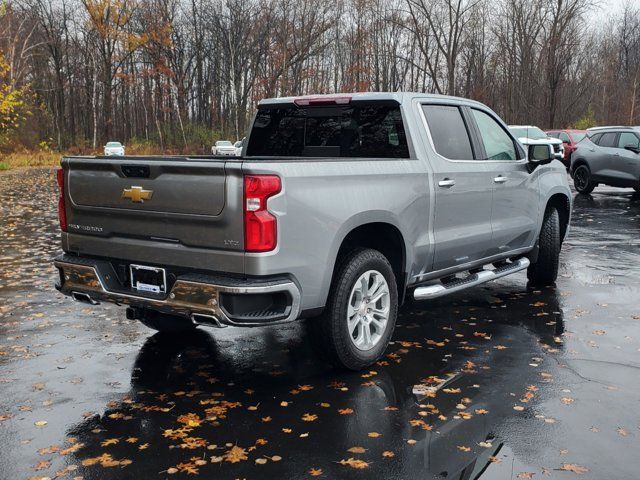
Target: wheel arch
x=576 y=163
x=562 y=204
x=379 y=231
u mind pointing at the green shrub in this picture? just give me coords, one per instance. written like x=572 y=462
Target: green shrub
x=587 y=121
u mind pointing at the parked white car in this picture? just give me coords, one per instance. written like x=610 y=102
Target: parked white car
x=532 y=135
x=223 y=147
x=238 y=146
x=114 y=148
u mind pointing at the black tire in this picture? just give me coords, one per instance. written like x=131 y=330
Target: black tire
x=582 y=180
x=545 y=270
x=331 y=329
x=163 y=322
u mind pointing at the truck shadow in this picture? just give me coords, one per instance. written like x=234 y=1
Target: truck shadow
x=440 y=404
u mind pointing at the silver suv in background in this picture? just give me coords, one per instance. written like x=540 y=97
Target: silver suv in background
x=608 y=155
x=532 y=135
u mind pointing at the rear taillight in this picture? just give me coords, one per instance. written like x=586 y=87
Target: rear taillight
x=260 y=226
x=62 y=213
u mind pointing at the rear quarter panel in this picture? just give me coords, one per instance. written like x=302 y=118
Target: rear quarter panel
x=323 y=200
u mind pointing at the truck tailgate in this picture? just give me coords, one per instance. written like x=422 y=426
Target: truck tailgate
x=186 y=202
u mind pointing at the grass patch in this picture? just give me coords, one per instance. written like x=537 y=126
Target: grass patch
x=49 y=158
x=30 y=159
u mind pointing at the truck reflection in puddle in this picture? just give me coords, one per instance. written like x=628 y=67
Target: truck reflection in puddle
x=195 y=398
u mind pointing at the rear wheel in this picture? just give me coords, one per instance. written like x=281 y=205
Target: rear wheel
x=361 y=311
x=582 y=180
x=163 y=322
x=545 y=270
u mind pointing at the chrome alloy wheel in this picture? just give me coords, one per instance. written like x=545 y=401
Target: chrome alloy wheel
x=368 y=311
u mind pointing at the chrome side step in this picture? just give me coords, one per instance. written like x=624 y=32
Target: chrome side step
x=441 y=289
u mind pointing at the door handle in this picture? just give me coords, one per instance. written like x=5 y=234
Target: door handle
x=500 y=179
x=447 y=182
x=616 y=154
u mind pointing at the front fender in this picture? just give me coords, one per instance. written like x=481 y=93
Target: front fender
x=553 y=181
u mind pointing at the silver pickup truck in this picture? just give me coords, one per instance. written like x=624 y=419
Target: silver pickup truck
x=340 y=208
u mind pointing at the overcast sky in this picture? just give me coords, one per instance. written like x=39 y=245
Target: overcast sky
x=607 y=9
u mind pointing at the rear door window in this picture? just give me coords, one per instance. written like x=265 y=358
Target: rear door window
x=564 y=137
x=360 y=129
x=448 y=131
x=595 y=138
x=608 y=139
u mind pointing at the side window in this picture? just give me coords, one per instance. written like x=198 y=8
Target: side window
x=596 y=138
x=608 y=139
x=628 y=138
x=448 y=131
x=498 y=144
x=564 y=137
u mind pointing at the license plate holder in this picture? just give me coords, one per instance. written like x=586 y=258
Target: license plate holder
x=148 y=279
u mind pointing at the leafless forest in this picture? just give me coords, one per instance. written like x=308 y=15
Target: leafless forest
x=182 y=73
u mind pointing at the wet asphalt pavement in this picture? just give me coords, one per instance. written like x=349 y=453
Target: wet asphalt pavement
x=531 y=383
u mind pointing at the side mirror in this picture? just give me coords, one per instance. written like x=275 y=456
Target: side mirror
x=539 y=155
x=632 y=148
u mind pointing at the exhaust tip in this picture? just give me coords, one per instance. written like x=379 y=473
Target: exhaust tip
x=84 y=298
x=207 y=320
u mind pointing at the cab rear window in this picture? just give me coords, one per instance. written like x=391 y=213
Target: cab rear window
x=372 y=129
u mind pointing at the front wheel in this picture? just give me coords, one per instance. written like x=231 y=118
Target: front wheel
x=545 y=270
x=361 y=311
x=582 y=180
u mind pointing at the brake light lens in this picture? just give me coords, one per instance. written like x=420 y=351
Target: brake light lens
x=260 y=226
x=62 y=213
x=323 y=100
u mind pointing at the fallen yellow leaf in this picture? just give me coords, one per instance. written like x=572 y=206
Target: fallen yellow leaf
x=575 y=468
x=356 y=450
x=236 y=454
x=354 y=463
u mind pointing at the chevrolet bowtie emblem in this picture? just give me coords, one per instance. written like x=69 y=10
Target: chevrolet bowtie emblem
x=137 y=194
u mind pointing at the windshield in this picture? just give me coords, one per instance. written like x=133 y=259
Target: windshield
x=530 y=132
x=578 y=136
x=223 y=143
x=114 y=144
x=366 y=129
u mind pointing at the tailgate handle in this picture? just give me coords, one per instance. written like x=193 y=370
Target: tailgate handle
x=137 y=171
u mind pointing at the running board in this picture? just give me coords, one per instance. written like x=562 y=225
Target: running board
x=438 y=290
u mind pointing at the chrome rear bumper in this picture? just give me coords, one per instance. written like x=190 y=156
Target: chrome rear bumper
x=196 y=297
